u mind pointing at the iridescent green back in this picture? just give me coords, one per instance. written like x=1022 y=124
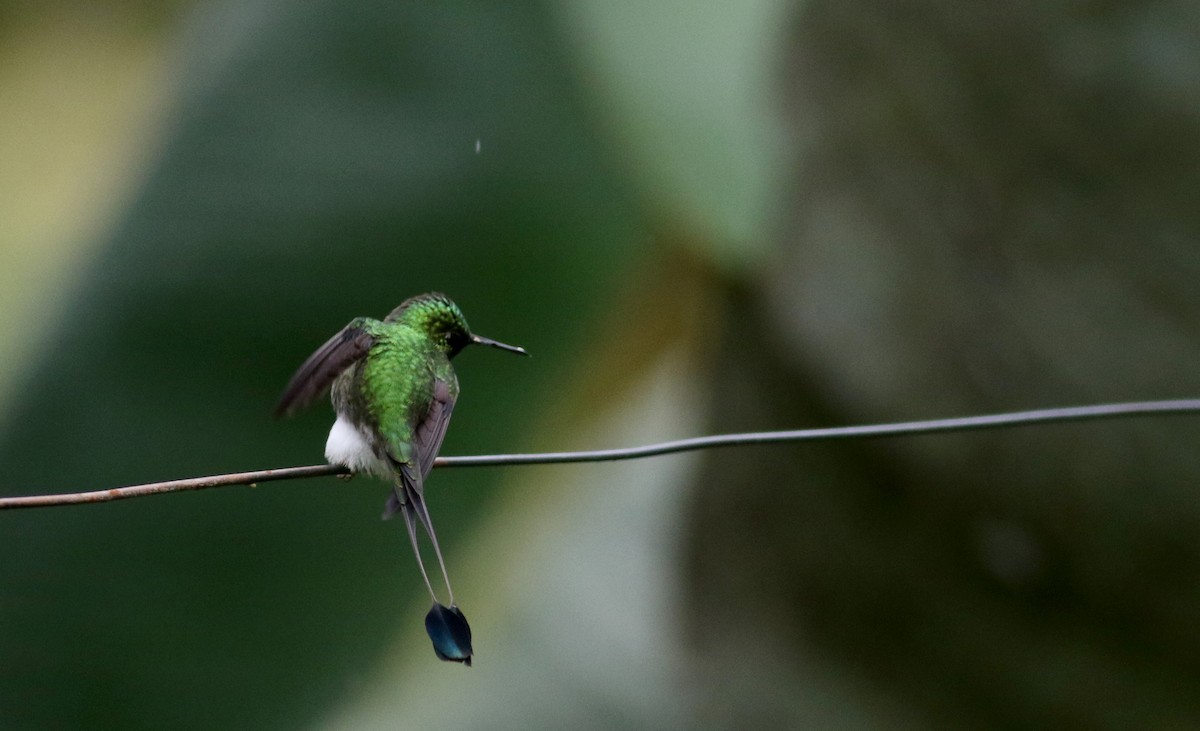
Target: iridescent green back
x=412 y=350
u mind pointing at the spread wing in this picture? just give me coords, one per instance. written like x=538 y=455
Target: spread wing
x=315 y=375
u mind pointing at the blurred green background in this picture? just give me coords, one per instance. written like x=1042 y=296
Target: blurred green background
x=699 y=217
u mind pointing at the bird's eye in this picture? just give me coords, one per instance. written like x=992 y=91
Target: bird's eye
x=455 y=341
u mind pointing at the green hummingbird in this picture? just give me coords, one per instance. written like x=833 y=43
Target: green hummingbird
x=393 y=390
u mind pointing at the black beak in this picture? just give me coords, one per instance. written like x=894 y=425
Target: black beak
x=480 y=340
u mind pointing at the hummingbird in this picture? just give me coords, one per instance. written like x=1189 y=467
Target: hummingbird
x=393 y=391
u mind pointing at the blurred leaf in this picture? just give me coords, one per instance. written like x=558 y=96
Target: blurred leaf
x=689 y=89
x=321 y=164
x=81 y=94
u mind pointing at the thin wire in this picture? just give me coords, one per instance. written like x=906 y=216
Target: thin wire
x=908 y=428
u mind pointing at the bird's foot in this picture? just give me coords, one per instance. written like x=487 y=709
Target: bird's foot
x=345 y=476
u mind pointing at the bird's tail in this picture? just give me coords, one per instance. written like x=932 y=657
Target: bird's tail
x=409 y=502
x=394 y=503
x=411 y=524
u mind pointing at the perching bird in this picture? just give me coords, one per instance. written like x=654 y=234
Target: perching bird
x=393 y=389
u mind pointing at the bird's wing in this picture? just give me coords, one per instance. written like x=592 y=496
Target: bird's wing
x=431 y=431
x=408 y=493
x=315 y=375
x=426 y=443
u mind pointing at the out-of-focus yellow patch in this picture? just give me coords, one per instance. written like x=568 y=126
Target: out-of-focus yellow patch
x=83 y=91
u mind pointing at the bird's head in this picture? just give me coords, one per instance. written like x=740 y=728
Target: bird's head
x=437 y=316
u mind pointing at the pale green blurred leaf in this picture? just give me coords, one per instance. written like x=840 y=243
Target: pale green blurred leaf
x=690 y=90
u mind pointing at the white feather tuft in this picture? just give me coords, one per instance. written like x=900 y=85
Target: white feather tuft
x=348 y=446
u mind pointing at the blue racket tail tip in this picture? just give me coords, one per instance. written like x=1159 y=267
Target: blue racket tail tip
x=450 y=633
